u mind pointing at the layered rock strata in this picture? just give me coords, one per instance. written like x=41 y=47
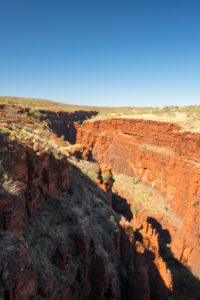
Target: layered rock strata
x=162 y=156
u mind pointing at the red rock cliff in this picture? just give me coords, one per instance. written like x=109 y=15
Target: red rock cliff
x=161 y=156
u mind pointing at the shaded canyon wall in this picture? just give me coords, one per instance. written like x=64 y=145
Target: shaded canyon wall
x=64 y=123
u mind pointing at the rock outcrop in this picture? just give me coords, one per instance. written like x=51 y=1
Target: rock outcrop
x=80 y=152
x=105 y=179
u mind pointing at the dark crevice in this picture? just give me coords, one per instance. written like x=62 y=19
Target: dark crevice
x=121 y=207
x=65 y=123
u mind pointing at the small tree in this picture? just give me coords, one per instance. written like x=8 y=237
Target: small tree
x=106 y=177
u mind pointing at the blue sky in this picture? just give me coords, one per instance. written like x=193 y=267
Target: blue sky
x=101 y=52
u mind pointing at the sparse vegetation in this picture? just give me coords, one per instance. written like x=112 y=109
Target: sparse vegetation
x=6 y=176
x=110 y=226
x=145 y=196
x=195 y=202
x=106 y=177
x=2 y=170
x=187 y=117
x=136 y=180
x=142 y=148
x=134 y=210
x=36 y=114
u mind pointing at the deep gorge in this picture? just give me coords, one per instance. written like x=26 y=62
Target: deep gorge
x=65 y=237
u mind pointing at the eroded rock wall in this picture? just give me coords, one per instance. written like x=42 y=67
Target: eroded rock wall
x=32 y=177
x=162 y=156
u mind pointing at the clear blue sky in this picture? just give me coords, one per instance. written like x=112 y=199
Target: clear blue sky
x=101 y=52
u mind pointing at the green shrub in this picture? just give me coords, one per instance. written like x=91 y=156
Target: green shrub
x=5 y=130
x=142 y=148
x=37 y=114
x=2 y=170
x=195 y=202
x=106 y=177
x=135 y=180
x=166 y=208
x=6 y=176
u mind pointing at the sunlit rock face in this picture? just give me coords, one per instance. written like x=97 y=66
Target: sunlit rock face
x=162 y=156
